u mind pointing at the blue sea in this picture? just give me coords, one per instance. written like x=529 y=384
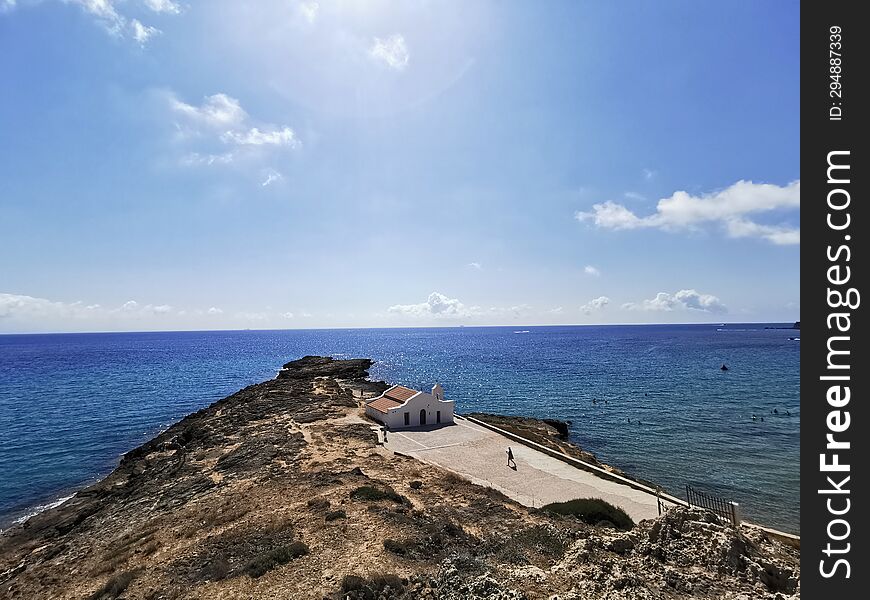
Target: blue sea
x=71 y=404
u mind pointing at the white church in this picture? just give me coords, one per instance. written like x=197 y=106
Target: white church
x=400 y=407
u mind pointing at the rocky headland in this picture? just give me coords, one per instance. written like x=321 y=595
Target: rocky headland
x=281 y=490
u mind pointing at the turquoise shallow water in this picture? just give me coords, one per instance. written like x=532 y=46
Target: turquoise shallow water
x=70 y=404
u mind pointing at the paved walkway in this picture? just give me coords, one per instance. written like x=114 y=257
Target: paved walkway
x=480 y=455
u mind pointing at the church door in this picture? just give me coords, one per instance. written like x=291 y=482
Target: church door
x=422 y=416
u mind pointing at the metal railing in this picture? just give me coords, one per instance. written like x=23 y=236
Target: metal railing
x=726 y=509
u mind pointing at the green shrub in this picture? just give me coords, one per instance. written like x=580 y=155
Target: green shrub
x=336 y=514
x=373 y=494
x=267 y=561
x=592 y=511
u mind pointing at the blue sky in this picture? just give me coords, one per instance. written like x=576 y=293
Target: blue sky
x=280 y=164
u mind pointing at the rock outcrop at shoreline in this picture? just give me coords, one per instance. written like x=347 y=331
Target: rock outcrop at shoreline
x=282 y=491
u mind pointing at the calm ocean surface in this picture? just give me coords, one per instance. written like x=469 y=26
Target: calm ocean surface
x=71 y=404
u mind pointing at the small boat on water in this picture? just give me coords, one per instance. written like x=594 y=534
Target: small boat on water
x=724 y=367
x=794 y=339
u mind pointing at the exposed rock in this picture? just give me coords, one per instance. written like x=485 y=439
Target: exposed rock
x=690 y=552
x=310 y=367
x=560 y=426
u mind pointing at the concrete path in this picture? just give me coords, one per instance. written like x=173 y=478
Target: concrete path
x=480 y=455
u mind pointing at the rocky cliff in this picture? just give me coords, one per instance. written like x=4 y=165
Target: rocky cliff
x=281 y=491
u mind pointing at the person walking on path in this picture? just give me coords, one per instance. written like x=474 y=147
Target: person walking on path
x=510 y=456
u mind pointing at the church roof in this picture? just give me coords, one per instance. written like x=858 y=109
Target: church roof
x=400 y=393
x=383 y=404
x=393 y=397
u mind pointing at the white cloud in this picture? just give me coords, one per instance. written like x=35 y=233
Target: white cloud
x=195 y=159
x=142 y=33
x=436 y=305
x=6 y=5
x=164 y=6
x=105 y=13
x=252 y=316
x=556 y=311
x=518 y=310
x=215 y=311
x=130 y=305
x=590 y=270
x=595 y=304
x=255 y=137
x=610 y=215
x=476 y=265
x=133 y=307
x=634 y=196
x=271 y=177
x=16 y=305
x=682 y=300
x=220 y=121
x=781 y=236
x=39 y=311
x=217 y=110
x=309 y=10
x=648 y=174
x=728 y=208
x=391 y=51
x=287 y=315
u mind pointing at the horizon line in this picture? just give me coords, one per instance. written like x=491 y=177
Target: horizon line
x=460 y=326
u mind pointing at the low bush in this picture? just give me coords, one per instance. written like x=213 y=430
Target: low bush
x=336 y=514
x=354 y=586
x=415 y=485
x=152 y=547
x=352 y=583
x=541 y=539
x=452 y=478
x=373 y=494
x=592 y=511
x=267 y=561
x=319 y=503
x=218 y=568
x=396 y=547
x=114 y=587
